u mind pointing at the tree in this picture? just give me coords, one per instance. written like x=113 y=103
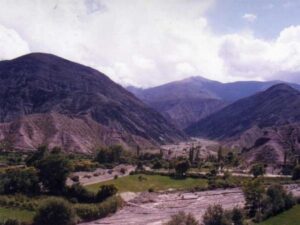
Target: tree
x=191 y=154
x=55 y=211
x=258 y=170
x=106 y=191
x=215 y=215
x=277 y=200
x=183 y=219
x=182 y=167
x=253 y=192
x=157 y=164
x=38 y=155
x=220 y=155
x=296 y=173
x=237 y=216
x=81 y=194
x=25 y=181
x=112 y=154
x=53 y=172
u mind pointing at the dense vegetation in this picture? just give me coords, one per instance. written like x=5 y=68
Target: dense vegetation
x=262 y=203
x=29 y=188
x=37 y=186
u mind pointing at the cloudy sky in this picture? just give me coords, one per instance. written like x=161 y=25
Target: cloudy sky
x=150 y=42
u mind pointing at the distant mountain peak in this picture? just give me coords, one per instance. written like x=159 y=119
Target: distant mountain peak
x=196 y=79
x=281 y=87
x=40 y=56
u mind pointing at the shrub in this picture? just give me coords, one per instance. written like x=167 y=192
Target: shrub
x=82 y=195
x=182 y=218
x=105 y=192
x=112 y=154
x=88 y=212
x=38 y=155
x=55 y=211
x=17 y=180
x=258 y=170
x=84 y=165
x=296 y=173
x=123 y=170
x=151 y=189
x=276 y=201
x=237 y=216
x=75 y=178
x=182 y=167
x=10 y=222
x=157 y=164
x=54 y=170
x=219 y=183
x=215 y=215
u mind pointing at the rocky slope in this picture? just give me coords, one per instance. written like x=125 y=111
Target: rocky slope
x=45 y=99
x=269 y=145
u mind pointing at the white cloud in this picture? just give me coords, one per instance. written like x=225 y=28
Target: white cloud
x=250 y=57
x=143 y=42
x=11 y=44
x=249 y=17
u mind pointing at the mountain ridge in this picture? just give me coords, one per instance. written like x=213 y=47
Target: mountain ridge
x=189 y=100
x=275 y=106
x=41 y=83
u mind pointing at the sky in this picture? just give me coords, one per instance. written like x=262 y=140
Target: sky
x=150 y=42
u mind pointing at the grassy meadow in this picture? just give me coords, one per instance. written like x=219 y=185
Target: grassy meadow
x=139 y=183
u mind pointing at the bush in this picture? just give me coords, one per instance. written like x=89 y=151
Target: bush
x=88 y=212
x=54 y=170
x=182 y=167
x=84 y=165
x=296 y=173
x=105 y=192
x=82 y=195
x=258 y=170
x=254 y=193
x=55 y=211
x=219 y=183
x=112 y=154
x=38 y=155
x=276 y=201
x=182 y=218
x=18 y=201
x=123 y=170
x=25 y=181
x=237 y=216
x=215 y=215
x=10 y=222
x=75 y=178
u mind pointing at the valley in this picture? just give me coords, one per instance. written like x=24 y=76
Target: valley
x=70 y=137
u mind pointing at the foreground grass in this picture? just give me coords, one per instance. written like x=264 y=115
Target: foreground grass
x=13 y=213
x=290 y=217
x=134 y=184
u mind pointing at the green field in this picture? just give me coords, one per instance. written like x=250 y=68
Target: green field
x=134 y=184
x=13 y=213
x=290 y=217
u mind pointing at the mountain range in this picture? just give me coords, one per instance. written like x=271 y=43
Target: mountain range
x=187 y=101
x=263 y=126
x=45 y=99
